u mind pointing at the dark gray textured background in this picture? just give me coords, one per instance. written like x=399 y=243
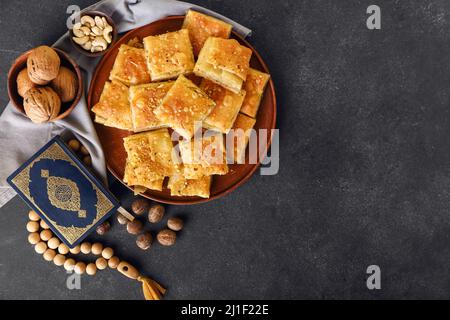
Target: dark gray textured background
x=364 y=175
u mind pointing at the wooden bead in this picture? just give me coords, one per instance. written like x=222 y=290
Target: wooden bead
x=49 y=254
x=33 y=216
x=46 y=235
x=63 y=249
x=101 y=263
x=40 y=247
x=91 y=269
x=128 y=270
x=53 y=243
x=69 y=264
x=32 y=226
x=74 y=144
x=107 y=253
x=86 y=247
x=44 y=225
x=113 y=262
x=80 y=267
x=97 y=248
x=75 y=250
x=59 y=260
x=84 y=151
x=34 y=238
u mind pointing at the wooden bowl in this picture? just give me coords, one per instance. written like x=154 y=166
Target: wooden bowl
x=93 y=13
x=21 y=63
x=112 y=138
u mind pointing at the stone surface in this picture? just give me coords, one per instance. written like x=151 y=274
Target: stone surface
x=364 y=175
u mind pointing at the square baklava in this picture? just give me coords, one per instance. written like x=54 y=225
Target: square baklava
x=144 y=99
x=225 y=62
x=202 y=26
x=130 y=66
x=149 y=158
x=254 y=86
x=184 y=106
x=113 y=109
x=203 y=156
x=240 y=136
x=228 y=104
x=169 y=55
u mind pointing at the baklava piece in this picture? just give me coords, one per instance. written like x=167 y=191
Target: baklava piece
x=254 y=87
x=113 y=109
x=240 y=135
x=202 y=26
x=144 y=99
x=149 y=159
x=225 y=62
x=183 y=106
x=203 y=157
x=227 y=106
x=130 y=66
x=169 y=55
x=180 y=186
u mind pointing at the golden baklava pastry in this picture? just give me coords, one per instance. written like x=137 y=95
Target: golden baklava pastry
x=169 y=55
x=202 y=26
x=184 y=106
x=113 y=109
x=203 y=157
x=240 y=135
x=144 y=99
x=227 y=106
x=180 y=186
x=130 y=66
x=254 y=86
x=225 y=62
x=149 y=159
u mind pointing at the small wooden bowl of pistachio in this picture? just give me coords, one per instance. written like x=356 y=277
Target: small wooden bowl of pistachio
x=94 y=34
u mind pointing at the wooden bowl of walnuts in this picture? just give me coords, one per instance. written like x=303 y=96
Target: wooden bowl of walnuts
x=45 y=84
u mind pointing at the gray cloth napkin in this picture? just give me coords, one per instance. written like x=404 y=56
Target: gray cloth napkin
x=20 y=138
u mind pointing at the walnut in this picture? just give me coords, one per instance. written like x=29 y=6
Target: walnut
x=43 y=65
x=41 y=104
x=24 y=83
x=65 y=84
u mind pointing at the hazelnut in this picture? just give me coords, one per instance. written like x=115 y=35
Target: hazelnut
x=139 y=206
x=134 y=227
x=122 y=219
x=175 y=224
x=156 y=213
x=167 y=237
x=103 y=228
x=74 y=144
x=41 y=104
x=43 y=65
x=24 y=83
x=87 y=161
x=65 y=84
x=144 y=241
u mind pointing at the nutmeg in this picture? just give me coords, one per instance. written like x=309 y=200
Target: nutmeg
x=24 y=83
x=134 y=227
x=103 y=228
x=156 y=213
x=166 y=237
x=65 y=84
x=41 y=104
x=139 y=206
x=175 y=224
x=43 y=65
x=144 y=241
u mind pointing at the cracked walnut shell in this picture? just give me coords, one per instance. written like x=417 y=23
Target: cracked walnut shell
x=65 y=84
x=43 y=65
x=41 y=104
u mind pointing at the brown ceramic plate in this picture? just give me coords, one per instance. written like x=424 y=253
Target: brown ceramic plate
x=21 y=63
x=112 y=138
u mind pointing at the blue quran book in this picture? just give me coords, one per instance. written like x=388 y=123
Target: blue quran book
x=65 y=194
